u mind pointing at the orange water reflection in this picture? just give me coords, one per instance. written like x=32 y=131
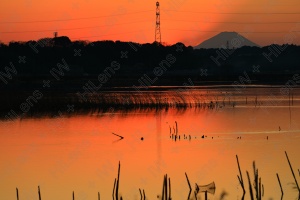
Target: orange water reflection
x=80 y=154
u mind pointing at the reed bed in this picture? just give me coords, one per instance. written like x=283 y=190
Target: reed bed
x=51 y=103
x=256 y=187
x=106 y=102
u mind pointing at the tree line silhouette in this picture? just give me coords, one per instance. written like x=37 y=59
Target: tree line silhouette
x=85 y=60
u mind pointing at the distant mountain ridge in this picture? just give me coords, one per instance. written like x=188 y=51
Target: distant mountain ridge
x=225 y=40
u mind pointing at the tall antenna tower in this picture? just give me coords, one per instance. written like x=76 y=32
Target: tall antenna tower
x=157 y=26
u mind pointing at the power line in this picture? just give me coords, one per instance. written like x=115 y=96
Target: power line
x=90 y=27
x=67 y=29
x=233 y=22
x=96 y=17
x=236 y=13
x=112 y=34
x=238 y=31
x=73 y=19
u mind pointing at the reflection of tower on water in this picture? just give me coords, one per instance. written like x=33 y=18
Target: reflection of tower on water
x=158 y=136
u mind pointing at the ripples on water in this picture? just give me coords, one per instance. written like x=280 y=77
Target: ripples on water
x=78 y=152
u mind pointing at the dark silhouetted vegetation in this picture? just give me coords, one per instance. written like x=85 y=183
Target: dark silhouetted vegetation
x=86 y=60
x=48 y=74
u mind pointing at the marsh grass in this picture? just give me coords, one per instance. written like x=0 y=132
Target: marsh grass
x=258 y=187
x=56 y=104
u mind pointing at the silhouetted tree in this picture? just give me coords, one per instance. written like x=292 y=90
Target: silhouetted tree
x=62 y=41
x=44 y=54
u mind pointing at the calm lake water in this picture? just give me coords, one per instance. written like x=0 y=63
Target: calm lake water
x=79 y=152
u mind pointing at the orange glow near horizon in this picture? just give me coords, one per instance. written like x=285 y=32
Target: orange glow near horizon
x=187 y=21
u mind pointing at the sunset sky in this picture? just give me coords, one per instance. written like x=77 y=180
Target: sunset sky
x=188 y=21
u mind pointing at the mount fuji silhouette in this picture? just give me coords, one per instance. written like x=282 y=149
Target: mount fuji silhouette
x=224 y=40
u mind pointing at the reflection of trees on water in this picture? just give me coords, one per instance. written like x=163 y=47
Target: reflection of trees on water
x=58 y=103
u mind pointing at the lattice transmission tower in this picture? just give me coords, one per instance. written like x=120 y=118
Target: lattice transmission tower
x=157 y=26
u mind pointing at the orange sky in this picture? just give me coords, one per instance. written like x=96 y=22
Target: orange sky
x=132 y=20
